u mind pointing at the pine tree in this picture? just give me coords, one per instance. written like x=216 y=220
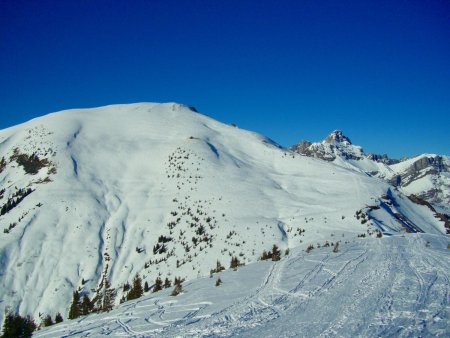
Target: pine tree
x=75 y=308
x=219 y=267
x=58 y=318
x=136 y=290
x=167 y=283
x=336 y=247
x=177 y=290
x=109 y=297
x=234 y=263
x=137 y=286
x=218 y=282
x=265 y=255
x=86 y=306
x=178 y=281
x=146 y=287
x=276 y=254
x=158 y=285
x=104 y=301
x=126 y=287
x=48 y=321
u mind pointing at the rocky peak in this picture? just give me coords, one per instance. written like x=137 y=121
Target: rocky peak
x=335 y=145
x=382 y=158
x=337 y=137
x=301 y=147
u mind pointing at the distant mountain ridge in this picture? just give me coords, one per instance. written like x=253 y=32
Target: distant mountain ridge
x=336 y=144
x=426 y=176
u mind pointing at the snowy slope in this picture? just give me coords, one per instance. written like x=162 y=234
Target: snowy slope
x=109 y=185
x=387 y=287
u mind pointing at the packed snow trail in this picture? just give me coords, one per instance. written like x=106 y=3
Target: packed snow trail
x=397 y=286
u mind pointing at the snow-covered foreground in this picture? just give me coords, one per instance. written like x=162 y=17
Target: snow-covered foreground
x=395 y=286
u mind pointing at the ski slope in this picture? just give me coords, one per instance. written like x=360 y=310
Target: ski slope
x=395 y=286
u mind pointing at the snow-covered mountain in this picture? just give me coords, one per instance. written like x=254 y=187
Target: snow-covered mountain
x=426 y=176
x=161 y=190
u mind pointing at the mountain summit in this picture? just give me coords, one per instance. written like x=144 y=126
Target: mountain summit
x=335 y=145
x=337 y=137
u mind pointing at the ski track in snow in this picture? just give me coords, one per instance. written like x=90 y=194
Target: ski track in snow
x=397 y=286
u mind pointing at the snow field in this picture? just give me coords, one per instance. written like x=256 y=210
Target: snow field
x=395 y=286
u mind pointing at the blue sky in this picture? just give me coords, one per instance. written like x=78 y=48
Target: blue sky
x=291 y=70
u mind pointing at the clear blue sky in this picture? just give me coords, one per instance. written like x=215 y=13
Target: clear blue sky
x=291 y=70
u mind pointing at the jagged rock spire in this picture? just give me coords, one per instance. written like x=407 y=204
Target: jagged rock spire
x=339 y=137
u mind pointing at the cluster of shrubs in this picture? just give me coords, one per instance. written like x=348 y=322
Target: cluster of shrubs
x=360 y=215
x=219 y=267
x=102 y=302
x=159 y=285
x=15 y=325
x=327 y=244
x=235 y=263
x=30 y=163
x=274 y=254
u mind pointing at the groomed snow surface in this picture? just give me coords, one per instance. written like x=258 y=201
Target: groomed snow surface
x=391 y=287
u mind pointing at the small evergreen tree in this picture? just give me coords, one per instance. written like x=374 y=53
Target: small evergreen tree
x=218 y=282
x=276 y=254
x=167 y=283
x=16 y=326
x=109 y=297
x=219 y=267
x=265 y=255
x=47 y=321
x=177 y=290
x=75 y=307
x=146 y=287
x=126 y=287
x=136 y=290
x=235 y=263
x=336 y=247
x=137 y=286
x=86 y=305
x=178 y=281
x=58 y=318
x=158 y=285
x=104 y=300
